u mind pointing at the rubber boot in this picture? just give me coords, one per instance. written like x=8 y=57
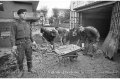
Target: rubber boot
x=20 y=74
x=29 y=65
x=21 y=71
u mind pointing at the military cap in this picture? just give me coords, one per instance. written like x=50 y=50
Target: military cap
x=21 y=11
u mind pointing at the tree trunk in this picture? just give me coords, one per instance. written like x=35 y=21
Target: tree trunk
x=111 y=43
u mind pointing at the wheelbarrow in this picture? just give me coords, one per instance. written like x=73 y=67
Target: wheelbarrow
x=67 y=51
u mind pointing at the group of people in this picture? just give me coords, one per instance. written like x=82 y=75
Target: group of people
x=22 y=41
x=86 y=37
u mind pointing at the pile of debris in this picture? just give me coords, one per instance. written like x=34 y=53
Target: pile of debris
x=7 y=64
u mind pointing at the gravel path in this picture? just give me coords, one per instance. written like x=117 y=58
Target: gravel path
x=83 y=67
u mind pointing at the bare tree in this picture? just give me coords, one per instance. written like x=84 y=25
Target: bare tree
x=55 y=13
x=44 y=10
x=60 y=16
x=55 y=16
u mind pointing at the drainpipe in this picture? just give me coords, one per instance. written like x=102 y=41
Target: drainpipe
x=80 y=18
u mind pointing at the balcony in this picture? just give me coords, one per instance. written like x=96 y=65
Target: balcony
x=29 y=16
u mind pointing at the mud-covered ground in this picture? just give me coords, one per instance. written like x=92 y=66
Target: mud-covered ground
x=48 y=66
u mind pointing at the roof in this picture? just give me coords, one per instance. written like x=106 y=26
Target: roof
x=94 y=5
x=34 y=3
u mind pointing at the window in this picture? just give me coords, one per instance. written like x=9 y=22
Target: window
x=1 y=6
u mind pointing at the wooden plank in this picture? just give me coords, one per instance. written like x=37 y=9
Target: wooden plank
x=65 y=49
x=5 y=51
x=5 y=33
x=7 y=20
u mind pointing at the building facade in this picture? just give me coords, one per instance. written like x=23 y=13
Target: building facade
x=74 y=15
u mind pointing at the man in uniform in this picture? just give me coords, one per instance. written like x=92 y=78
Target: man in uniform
x=22 y=41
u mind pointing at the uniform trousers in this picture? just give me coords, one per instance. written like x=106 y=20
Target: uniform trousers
x=24 y=49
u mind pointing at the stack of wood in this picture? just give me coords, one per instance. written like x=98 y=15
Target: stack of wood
x=65 y=49
x=111 y=43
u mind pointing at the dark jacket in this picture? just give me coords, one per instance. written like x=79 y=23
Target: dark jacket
x=92 y=33
x=48 y=35
x=19 y=30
